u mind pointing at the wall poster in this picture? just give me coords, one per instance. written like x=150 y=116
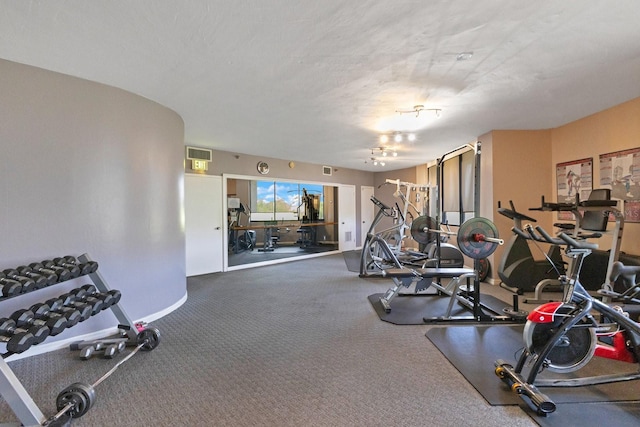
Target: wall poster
x=575 y=177
x=620 y=171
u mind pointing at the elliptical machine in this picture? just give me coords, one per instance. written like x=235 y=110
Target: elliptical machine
x=518 y=271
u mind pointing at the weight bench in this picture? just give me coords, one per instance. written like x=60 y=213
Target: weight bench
x=423 y=278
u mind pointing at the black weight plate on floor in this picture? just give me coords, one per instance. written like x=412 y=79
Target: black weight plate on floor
x=149 y=339
x=82 y=396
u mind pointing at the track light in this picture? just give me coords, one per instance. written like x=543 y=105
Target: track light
x=418 y=108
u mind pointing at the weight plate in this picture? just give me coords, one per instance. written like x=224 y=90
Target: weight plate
x=418 y=227
x=81 y=396
x=483 y=269
x=149 y=339
x=468 y=242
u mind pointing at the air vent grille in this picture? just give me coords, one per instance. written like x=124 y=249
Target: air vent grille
x=194 y=153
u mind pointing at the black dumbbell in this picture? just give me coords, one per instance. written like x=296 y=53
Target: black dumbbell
x=74 y=268
x=17 y=341
x=81 y=296
x=85 y=267
x=41 y=317
x=27 y=284
x=8 y=287
x=69 y=302
x=43 y=312
x=73 y=272
x=24 y=320
x=48 y=275
x=71 y=314
x=38 y=280
x=116 y=294
x=108 y=298
x=62 y=273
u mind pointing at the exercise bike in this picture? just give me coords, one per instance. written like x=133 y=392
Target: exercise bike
x=564 y=336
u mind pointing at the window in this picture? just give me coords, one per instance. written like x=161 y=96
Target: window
x=286 y=201
x=457 y=184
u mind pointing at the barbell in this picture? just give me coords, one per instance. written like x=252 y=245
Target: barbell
x=78 y=398
x=477 y=237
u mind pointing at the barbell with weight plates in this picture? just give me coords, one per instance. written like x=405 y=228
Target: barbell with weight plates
x=423 y=230
x=477 y=237
x=76 y=399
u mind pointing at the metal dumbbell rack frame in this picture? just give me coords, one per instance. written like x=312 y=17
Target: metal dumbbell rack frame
x=12 y=389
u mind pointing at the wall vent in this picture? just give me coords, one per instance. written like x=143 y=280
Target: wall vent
x=326 y=170
x=194 y=153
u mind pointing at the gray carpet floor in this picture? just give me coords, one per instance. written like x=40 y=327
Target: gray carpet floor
x=293 y=344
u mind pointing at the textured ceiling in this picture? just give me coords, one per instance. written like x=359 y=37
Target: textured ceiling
x=317 y=81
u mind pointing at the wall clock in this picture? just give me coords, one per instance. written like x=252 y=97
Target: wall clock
x=263 y=168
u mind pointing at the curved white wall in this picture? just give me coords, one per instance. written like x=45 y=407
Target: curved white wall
x=90 y=168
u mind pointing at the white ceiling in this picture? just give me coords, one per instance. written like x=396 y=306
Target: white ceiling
x=317 y=80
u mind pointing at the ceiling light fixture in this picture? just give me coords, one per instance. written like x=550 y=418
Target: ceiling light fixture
x=384 y=151
x=464 y=56
x=384 y=139
x=417 y=108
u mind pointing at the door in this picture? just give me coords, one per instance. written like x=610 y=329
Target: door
x=367 y=212
x=347 y=215
x=203 y=224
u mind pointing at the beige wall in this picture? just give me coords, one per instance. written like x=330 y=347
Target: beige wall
x=516 y=165
x=614 y=129
x=521 y=166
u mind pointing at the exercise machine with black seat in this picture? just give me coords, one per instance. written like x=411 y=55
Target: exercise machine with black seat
x=477 y=238
x=241 y=238
x=518 y=270
x=596 y=209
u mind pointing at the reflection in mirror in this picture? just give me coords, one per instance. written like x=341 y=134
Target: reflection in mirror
x=275 y=219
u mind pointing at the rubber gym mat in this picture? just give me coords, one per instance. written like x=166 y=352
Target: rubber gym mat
x=411 y=309
x=618 y=414
x=474 y=349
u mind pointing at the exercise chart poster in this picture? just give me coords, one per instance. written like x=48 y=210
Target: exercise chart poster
x=620 y=171
x=575 y=177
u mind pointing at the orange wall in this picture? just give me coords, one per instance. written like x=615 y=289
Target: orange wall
x=519 y=165
x=614 y=129
x=517 y=168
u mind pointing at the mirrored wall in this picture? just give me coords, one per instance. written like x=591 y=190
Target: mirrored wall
x=271 y=219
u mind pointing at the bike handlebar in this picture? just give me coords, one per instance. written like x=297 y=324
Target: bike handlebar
x=562 y=239
x=583 y=244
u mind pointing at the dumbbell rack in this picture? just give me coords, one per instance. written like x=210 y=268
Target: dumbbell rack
x=12 y=389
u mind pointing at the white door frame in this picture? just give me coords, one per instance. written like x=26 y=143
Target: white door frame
x=204 y=224
x=347 y=217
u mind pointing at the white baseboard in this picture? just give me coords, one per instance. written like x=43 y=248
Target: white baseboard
x=45 y=348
